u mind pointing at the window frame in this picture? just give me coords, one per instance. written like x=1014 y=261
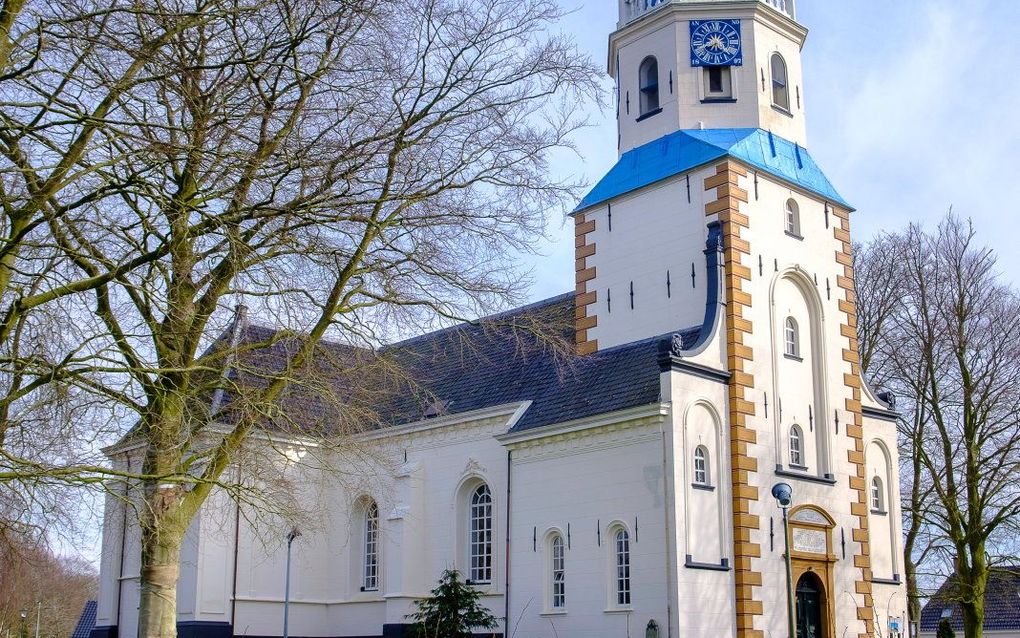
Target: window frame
x=557 y=597
x=726 y=93
x=370 y=548
x=780 y=82
x=702 y=456
x=480 y=527
x=791 y=338
x=622 y=567
x=649 y=102
x=792 y=219
x=877 y=495
x=796 y=453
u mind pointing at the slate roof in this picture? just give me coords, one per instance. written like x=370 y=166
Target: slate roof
x=496 y=361
x=1002 y=603
x=683 y=151
x=86 y=622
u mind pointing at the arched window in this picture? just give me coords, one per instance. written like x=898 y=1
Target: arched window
x=877 y=502
x=648 y=80
x=370 y=556
x=792 y=218
x=780 y=83
x=480 y=525
x=557 y=572
x=796 y=446
x=702 y=476
x=622 y=556
x=791 y=337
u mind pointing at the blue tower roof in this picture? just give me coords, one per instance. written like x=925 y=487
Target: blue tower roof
x=682 y=151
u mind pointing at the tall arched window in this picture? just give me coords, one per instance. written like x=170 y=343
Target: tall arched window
x=622 y=560
x=877 y=500
x=648 y=80
x=557 y=572
x=481 y=535
x=370 y=555
x=792 y=218
x=702 y=476
x=780 y=83
x=796 y=446
x=791 y=337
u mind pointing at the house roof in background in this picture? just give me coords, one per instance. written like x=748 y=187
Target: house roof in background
x=684 y=151
x=87 y=621
x=1002 y=603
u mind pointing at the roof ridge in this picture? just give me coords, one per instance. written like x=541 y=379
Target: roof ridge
x=491 y=317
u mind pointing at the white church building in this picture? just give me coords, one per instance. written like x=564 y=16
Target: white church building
x=627 y=492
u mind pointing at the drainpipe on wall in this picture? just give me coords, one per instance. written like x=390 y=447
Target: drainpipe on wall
x=506 y=591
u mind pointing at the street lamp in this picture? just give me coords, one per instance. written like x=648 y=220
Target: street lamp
x=24 y=615
x=783 y=494
x=294 y=533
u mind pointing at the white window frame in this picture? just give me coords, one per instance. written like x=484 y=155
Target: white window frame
x=877 y=496
x=797 y=446
x=702 y=466
x=480 y=534
x=793 y=218
x=370 y=548
x=557 y=573
x=621 y=568
x=791 y=337
x=780 y=82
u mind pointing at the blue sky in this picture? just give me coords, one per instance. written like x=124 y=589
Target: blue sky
x=913 y=107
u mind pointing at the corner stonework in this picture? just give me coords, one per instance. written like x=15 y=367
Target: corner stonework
x=855 y=429
x=584 y=312
x=741 y=408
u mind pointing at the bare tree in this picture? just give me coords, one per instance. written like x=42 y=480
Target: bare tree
x=949 y=346
x=346 y=168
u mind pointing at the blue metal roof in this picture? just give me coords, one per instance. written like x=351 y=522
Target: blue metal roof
x=683 y=151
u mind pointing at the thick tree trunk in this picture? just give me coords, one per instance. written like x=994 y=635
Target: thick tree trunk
x=162 y=537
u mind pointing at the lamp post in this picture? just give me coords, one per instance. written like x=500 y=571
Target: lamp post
x=294 y=533
x=24 y=615
x=38 y=617
x=783 y=494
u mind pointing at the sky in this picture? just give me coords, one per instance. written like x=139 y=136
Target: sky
x=913 y=107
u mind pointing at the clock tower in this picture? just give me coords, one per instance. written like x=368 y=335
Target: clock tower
x=707 y=64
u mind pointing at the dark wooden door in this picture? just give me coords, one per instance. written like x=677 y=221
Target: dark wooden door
x=809 y=607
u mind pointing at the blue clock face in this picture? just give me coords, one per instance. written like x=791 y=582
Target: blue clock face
x=716 y=43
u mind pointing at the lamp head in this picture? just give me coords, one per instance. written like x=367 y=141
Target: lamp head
x=783 y=493
x=292 y=534
x=24 y=613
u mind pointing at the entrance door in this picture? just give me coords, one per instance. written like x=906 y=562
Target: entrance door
x=809 y=607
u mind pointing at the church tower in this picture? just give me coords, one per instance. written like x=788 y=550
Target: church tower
x=707 y=64
x=717 y=232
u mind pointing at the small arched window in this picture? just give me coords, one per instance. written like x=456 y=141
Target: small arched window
x=648 y=80
x=702 y=476
x=796 y=446
x=792 y=218
x=370 y=555
x=877 y=501
x=791 y=337
x=557 y=573
x=780 y=83
x=622 y=560
x=480 y=525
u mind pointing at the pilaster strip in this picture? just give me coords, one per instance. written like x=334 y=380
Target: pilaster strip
x=855 y=429
x=585 y=317
x=741 y=385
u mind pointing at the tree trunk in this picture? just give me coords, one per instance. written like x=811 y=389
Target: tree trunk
x=162 y=537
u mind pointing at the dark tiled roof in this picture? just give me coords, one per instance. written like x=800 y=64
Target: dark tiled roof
x=498 y=360
x=1002 y=603
x=86 y=622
